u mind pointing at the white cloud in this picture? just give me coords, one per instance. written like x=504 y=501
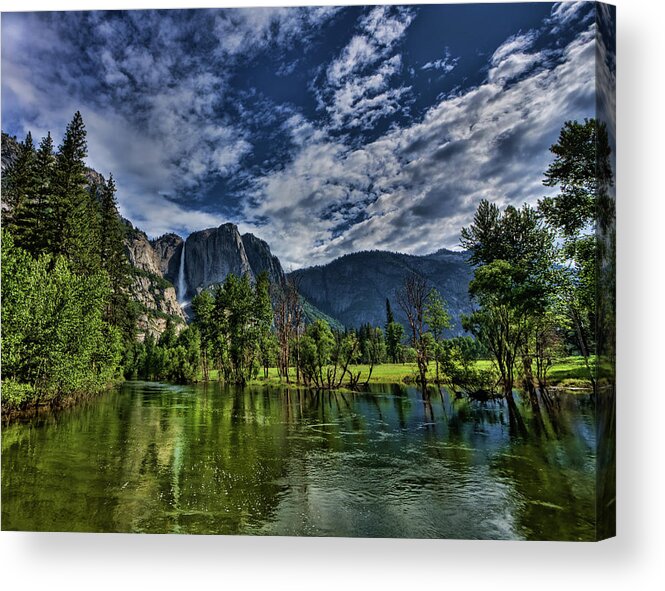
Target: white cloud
x=379 y=31
x=565 y=12
x=516 y=44
x=243 y=31
x=446 y=64
x=416 y=186
x=356 y=93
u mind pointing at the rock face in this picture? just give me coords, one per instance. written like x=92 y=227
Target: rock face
x=167 y=250
x=261 y=259
x=212 y=254
x=141 y=253
x=9 y=150
x=353 y=288
x=9 y=154
x=154 y=294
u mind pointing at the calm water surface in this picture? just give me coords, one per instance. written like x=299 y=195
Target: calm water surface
x=213 y=459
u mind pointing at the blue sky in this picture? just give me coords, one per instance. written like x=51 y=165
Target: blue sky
x=322 y=130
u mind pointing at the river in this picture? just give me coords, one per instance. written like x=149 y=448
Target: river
x=213 y=459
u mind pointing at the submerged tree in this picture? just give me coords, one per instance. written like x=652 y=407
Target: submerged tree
x=438 y=320
x=288 y=319
x=203 y=306
x=413 y=298
x=513 y=254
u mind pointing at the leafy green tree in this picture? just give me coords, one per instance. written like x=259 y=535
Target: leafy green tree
x=459 y=369
x=317 y=346
x=500 y=322
x=186 y=356
x=373 y=347
x=264 y=320
x=580 y=213
x=372 y=344
x=235 y=305
x=54 y=336
x=514 y=282
x=438 y=320
x=583 y=172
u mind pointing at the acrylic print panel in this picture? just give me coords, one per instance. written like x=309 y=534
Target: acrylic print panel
x=313 y=271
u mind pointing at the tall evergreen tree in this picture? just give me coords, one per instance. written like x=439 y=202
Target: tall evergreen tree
x=18 y=183
x=75 y=231
x=114 y=260
x=389 y=313
x=34 y=212
x=394 y=333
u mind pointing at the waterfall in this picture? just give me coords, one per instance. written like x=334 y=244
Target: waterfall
x=181 y=276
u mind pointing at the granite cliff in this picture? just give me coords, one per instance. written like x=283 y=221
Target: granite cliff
x=155 y=295
x=211 y=255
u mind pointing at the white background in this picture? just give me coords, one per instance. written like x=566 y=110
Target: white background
x=633 y=560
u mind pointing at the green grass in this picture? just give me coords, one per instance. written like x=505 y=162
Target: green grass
x=570 y=371
x=570 y=368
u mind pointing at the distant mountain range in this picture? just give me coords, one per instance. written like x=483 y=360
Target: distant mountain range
x=348 y=291
x=353 y=288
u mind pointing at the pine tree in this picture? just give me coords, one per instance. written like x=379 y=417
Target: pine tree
x=34 y=215
x=114 y=260
x=75 y=231
x=18 y=184
x=394 y=333
x=389 y=313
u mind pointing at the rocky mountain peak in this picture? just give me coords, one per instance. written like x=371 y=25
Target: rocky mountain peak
x=261 y=259
x=211 y=255
x=167 y=250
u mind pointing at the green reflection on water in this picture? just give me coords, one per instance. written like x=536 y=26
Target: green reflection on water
x=212 y=459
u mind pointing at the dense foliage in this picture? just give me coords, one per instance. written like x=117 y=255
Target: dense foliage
x=66 y=315
x=536 y=270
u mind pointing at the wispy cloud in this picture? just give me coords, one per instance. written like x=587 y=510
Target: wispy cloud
x=244 y=31
x=302 y=133
x=356 y=91
x=446 y=64
x=412 y=189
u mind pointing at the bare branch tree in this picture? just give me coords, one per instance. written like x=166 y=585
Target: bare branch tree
x=412 y=299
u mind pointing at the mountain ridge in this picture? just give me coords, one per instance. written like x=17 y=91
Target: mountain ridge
x=354 y=287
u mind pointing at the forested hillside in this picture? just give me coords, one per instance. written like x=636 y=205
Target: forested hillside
x=353 y=288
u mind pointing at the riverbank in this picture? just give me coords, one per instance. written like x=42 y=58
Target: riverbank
x=569 y=372
x=21 y=402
